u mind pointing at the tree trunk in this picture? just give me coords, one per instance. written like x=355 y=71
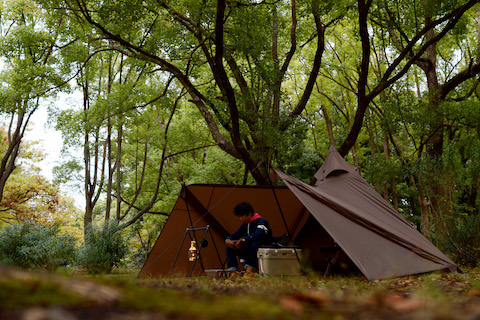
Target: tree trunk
x=386 y=151
x=8 y=161
x=89 y=203
x=328 y=122
x=109 y=146
x=374 y=155
x=108 y=199
x=389 y=182
x=434 y=145
x=394 y=194
x=119 y=172
x=424 y=208
x=478 y=197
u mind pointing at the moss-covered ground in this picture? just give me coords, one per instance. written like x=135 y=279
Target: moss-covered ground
x=38 y=295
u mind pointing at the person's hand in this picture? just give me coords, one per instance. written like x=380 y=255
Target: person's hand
x=231 y=244
x=239 y=244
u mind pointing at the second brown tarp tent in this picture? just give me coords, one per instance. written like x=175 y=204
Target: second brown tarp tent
x=340 y=211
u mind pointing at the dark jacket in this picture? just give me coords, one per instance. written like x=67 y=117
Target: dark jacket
x=257 y=230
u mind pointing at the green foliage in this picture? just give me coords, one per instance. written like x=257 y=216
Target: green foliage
x=144 y=234
x=128 y=155
x=294 y=154
x=103 y=250
x=463 y=242
x=31 y=245
x=30 y=69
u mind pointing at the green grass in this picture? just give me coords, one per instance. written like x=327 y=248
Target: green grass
x=440 y=295
x=18 y=294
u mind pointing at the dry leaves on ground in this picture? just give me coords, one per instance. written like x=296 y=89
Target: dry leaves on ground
x=296 y=301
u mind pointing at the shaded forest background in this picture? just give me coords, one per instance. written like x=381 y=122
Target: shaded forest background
x=207 y=91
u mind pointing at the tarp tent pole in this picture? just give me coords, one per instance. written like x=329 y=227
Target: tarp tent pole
x=278 y=203
x=192 y=229
x=281 y=213
x=207 y=216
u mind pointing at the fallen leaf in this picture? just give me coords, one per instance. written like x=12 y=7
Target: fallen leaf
x=291 y=304
x=401 y=304
x=474 y=292
x=391 y=299
x=295 y=302
x=315 y=297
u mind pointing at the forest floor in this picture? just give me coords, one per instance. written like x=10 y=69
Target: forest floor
x=33 y=295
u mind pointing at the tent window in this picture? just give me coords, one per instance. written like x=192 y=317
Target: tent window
x=336 y=172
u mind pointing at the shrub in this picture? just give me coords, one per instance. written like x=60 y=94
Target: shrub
x=463 y=242
x=104 y=249
x=32 y=245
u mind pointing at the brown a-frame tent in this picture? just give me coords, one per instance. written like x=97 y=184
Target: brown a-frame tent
x=341 y=210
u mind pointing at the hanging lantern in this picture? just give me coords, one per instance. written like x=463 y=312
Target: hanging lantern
x=192 y=252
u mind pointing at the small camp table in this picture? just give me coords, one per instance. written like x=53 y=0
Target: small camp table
x=331 y=255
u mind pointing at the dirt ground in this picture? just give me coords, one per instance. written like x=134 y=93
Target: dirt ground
x=44 y=296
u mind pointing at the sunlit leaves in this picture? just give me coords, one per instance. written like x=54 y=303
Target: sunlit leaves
x=29 y=61
x=29 y=196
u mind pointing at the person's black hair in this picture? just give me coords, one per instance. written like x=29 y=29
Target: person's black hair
x=243 y=209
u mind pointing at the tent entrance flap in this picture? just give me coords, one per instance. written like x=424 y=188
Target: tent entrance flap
x=320 y=249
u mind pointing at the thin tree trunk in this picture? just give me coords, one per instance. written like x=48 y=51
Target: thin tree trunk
x=119 y=173
x=374 y=155
x=108 y=206
x=328 y=122
x=394 y=194
x=478 y=33
x=110 y=165
x=424 y=208
x=478 y=196
x=8 y=160
x=355 y=159
x=386 y=151
x=87 y=218
x=386 y=193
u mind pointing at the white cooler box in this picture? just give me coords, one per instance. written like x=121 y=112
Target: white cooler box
x=279 y=261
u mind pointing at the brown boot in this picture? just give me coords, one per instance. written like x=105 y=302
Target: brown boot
x=249 y=273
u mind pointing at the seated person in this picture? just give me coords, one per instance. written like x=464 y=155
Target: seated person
x=253 y=233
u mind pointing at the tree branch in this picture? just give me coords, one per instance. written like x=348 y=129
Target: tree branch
x=315 y=68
